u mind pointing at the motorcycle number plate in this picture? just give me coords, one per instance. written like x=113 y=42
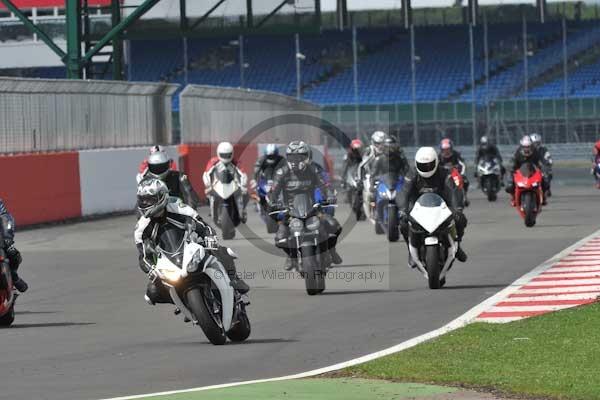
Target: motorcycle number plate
x=431 y=240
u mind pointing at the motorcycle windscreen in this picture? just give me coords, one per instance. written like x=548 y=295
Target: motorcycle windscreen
x=430 y=211
x=170 y=241
x=301 y=205
x=527 y=170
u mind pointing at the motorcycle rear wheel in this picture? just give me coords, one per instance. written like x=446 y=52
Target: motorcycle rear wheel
x=529 y=208
x=7 y=319
x=432 y=261
x=314 y=275
x=196 y=302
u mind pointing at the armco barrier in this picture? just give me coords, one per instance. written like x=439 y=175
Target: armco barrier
x=41 y=187
x=107 y=178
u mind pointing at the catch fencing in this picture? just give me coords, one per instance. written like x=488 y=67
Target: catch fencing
x=53 y=115
x=210 y=114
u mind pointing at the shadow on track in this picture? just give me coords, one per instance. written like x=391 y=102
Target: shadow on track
x=50 y=325
x=34 y=312
x=491 y=286
x=343 y=292
x=248 y=341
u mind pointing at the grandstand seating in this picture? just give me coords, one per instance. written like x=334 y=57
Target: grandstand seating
x=442 y=67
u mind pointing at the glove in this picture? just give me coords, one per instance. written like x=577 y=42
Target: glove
x=331 y=200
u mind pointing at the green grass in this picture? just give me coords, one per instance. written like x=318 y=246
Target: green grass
x=552 y=356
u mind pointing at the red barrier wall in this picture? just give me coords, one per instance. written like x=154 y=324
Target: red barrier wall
x=196 y=156
x=41 y=187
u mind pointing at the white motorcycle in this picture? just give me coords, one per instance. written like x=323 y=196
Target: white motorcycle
x=489 y=174
x=199 y=285
x=227 y=200
x=431 y=222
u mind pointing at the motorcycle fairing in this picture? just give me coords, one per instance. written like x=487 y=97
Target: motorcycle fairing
x=430 y=211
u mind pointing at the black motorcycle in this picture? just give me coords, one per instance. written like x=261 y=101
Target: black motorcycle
x=308 y=240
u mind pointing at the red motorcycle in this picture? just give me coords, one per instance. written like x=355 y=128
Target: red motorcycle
x=8 y=295
x=528 y=193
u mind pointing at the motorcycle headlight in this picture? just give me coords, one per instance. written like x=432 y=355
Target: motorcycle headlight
x=520 y=184
x=386 y=194
x=534 y=184
x=313 y=223
x=296 y=225
x=172 y=275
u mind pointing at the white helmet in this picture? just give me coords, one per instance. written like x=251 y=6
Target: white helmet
x=152 y=197
x=377 y=139
x=526 y=146
x=159 y=164
x=536 y=139
x=225 y=152
x=426 y=161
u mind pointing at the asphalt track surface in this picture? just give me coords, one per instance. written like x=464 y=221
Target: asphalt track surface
x=83 y=331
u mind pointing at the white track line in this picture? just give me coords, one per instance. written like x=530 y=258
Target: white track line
x=459 y=322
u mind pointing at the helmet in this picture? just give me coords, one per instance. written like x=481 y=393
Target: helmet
x=446 y=147
x=377 y=140
x=390 y=145
x=536 y=139
x=426 y=161
x=526 y=146
x=271 y=153
x=155 y=148
x=356 y=144
x=597 y=145
x=152 y=197
x=225 y=152
x=159 y=164
x=298 y=155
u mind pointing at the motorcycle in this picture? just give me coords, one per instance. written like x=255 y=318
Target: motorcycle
x=308 y=241
x=262 y=190
x=355 y=195
x=528 y=193
x=488 y=171
x=8 y=294
x=388 y=187
x=198 y=286
x=431 y=221
x=226 y=202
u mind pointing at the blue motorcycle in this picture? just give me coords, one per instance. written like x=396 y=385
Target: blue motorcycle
x=388 y=188
x=262 y=190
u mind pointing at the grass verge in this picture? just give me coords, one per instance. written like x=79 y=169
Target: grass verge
x=556 y=356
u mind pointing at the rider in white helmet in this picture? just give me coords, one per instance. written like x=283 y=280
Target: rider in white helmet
x=526 y=153
x=226 y=162
x=375 y=149
x=426 y=178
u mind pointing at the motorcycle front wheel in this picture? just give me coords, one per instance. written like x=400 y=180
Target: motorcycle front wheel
x=7 y=319
x=393 y=231
x=529 y=208
x=227 y=227
x=314 y=277
x=208 y=321
x=432 y=261
x=490 y=189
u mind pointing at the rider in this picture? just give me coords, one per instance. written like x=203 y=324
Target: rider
x=225 y=156
x=156 y=206
x=298 y=176
x=449 y=157
x=546 y=159
x=525 y=154
x=390 y=161
x=488 y=150
x=375 y=149
x=427 y=178
x=352 y=158
x=596 y=161
x=7 y=223
x=161 y=167
x=267 y=164
x=144 y=164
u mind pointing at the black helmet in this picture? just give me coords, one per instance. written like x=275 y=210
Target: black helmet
x=390 y=145
x=298 y=155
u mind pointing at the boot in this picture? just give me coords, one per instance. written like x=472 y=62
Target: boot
x=290 y=264
x=460 y=254
x=335 y=257
x=411 y=263
x=239 y=285
x=21 y=285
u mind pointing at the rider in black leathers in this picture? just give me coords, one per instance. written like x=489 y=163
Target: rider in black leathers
x=392 y=160
x=159 y=167
x=298 y=176
x=526 y=154
x=430 y=179
x=352 y=159
x=7 y=234
x=488 y=150
x=546 y=159
x=267 y=164
x=157 y=207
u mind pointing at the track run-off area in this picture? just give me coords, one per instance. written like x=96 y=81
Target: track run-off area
x=83 y=331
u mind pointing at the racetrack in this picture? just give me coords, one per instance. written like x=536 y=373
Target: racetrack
x=84 y=331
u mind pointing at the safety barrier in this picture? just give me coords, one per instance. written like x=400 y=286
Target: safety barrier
x=48 y=115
